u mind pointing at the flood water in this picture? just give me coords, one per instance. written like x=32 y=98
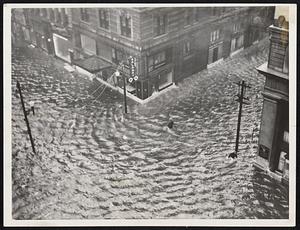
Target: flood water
x=94 y=162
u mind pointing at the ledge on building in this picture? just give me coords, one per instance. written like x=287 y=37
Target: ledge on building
x=264 y=70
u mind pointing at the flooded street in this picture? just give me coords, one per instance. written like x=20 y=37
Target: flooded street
x=95 y=162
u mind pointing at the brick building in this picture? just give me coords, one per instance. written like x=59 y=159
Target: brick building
x=273 y=154
x=169 y=43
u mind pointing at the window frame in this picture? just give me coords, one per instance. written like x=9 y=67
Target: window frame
x=215 y=35
x=161 y=24
x=84 y=15
x=156 y=63
x=125 y=25
x=104 y=18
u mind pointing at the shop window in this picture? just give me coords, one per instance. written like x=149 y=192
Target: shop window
x=214 y=35
x=88 y=44
x=187 y=48
x=104 y=51
x=118 y=56
x=84 y=15
x=156 y=61
x=161 y=23
x=125 y=24
x=103 y=18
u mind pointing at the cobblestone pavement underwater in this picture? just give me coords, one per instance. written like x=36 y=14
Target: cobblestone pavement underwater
x=94 y=162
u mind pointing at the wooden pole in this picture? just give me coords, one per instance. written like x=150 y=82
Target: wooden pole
x=241 y=97
x=25 y=115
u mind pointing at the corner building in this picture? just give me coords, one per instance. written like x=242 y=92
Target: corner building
x=169 y=43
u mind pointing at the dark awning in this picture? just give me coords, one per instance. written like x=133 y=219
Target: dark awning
x=92 y=64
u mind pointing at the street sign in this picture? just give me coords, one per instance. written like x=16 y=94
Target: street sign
x=132 y=66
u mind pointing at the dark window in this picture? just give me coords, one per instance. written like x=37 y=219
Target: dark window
x=103 y=18
x=65 y=20
x=214 y=35
x=51 y=15
x=215 y=54
x=118 y=56
x=161 y=22
x=187 y=48
x=58 y=16
x=84 y=15
x=188 y=16
x=125 y=23
x=157 y=60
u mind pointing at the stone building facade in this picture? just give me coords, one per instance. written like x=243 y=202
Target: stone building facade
x=273 y=154
x=168 y=43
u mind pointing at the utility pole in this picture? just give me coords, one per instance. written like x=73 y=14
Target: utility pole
x=25 y=115
x=133 y=76
x=242 y=100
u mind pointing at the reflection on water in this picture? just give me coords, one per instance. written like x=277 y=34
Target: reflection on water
x=95 y=162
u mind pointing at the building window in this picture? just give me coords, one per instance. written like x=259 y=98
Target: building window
x=187 y=48
x=58 y=16
x=188 y=17
x=88 y=44
x=214 y=35
x=125 y=24
x=51 y=15
x=117 y=56
x=104 y=51
x=64 y=17
x=103 y=18
x=157 y=60
x=37 y=12
x=84 y=15
x=236 y=27
x=161 y=22
x=44 y=12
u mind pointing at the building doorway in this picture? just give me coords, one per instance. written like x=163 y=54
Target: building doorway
x=215 y=54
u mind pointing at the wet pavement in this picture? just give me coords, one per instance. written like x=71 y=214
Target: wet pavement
x=95 y=162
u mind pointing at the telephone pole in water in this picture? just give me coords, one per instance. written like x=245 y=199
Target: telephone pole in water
x=242 y=100
x=25 y=115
